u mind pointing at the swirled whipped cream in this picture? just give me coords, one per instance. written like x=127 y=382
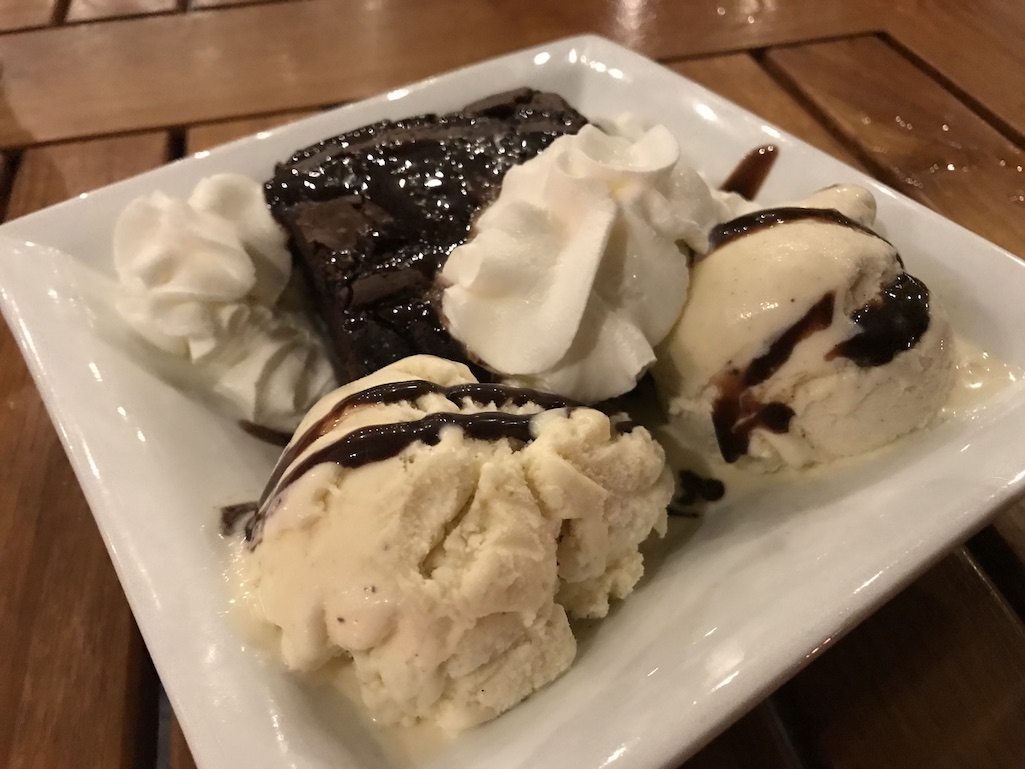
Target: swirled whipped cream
x=580 y=267
x=203 y=281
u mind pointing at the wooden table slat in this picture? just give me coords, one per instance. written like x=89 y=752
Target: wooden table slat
x=742 y=80
x=195 y=5
x=756 y=741
x=932 y=148
x=196 y=67
x=20 y=14
x=934 y=679
x=180 y=755
x=6 y=179
x=205 y=137
x=92 y=10
x=977 y=45
x=77 y=681
x=1000 y=549
x=1011 y=527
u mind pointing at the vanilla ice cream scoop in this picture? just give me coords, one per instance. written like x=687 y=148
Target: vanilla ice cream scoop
x=803 y=339
x=437 y=531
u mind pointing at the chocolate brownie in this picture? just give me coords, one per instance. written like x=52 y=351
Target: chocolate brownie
x=372 y=215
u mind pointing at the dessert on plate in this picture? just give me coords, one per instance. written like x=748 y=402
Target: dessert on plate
x=437 y=531
x=580 y=266
x=479 y=276
x=511 y=235
x=373 y=213
x=803 y=339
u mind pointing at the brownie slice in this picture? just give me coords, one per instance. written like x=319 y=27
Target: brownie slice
x=373 y=214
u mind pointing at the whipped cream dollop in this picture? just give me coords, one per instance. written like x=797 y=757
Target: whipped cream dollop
x=203 y=280
x=580 y=267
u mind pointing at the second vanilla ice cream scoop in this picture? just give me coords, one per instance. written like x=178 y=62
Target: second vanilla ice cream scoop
x=804 y=339
x=438 y=531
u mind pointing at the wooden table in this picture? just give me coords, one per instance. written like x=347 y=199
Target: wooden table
x=928 y=96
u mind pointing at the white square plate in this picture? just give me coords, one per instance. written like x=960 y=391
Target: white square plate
x=721 y=618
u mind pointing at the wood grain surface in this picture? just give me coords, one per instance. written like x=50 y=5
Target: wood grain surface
x=758 y=740
x=76 y=677
x=935 y=679
x=926 y=95
x=741 y=79
x=93 y=10
x=180 y=756
x=205 y=137
x=1000 y=549
x=975 y=45
x=200 y=4
x=1011 y=526
x=163 y=65
x=932 y=148
x=19 y=14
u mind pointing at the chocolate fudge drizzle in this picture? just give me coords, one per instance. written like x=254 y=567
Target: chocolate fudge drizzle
x=750 y=174
x=232 y=515
x=737 y=412
x=264 y=433
x=722 y=234
x=888 y=324
x=409 y=390
x=379 y=442
x=693 y=489
x=375 y=443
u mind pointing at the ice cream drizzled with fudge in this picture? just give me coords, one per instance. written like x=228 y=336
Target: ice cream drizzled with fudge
x=438 y=531
x=804 y=339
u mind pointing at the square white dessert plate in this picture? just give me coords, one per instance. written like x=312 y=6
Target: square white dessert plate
x=725 y=613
